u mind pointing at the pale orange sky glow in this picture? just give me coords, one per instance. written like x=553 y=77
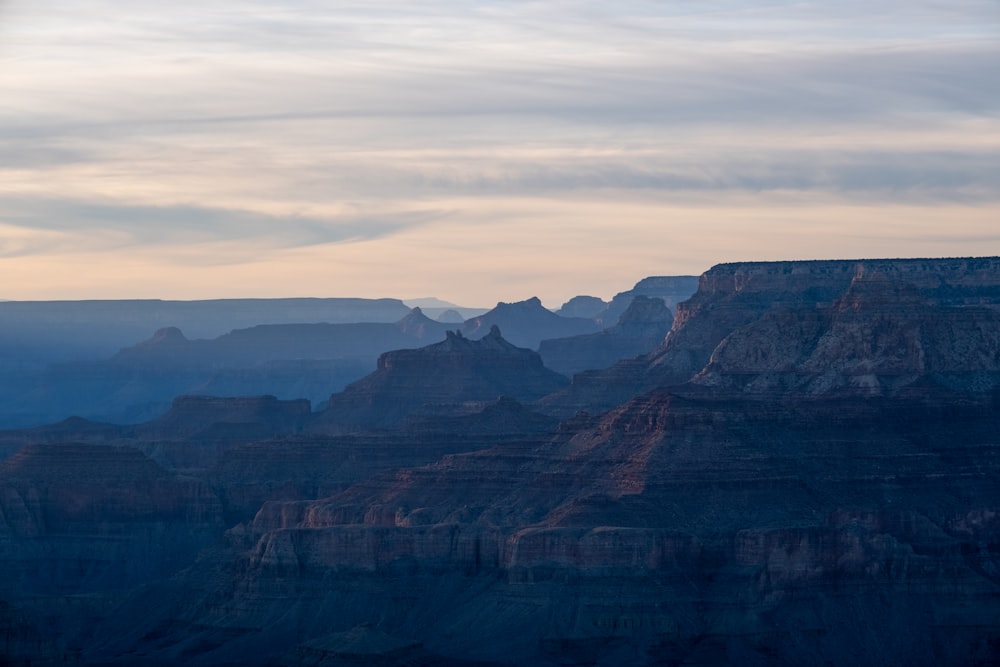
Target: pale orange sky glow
x=483 y=151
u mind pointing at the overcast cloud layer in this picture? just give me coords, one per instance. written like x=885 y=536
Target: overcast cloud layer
x=483 y=150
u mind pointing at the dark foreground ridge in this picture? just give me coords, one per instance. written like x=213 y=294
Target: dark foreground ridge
x=804 y=472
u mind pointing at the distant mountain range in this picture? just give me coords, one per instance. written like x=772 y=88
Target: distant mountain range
x=279 y=356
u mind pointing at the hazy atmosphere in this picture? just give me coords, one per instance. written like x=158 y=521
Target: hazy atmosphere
x=479 y=151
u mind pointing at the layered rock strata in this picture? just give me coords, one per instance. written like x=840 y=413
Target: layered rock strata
x=817 y=484
x=875 y=316
x=804 y=473
x=676 y=529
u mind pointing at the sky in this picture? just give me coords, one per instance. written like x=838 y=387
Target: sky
x=481 y=151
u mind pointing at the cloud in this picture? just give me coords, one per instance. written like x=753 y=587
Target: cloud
x=54 y=224
x=300 y=124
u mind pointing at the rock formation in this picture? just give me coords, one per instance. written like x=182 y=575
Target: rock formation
x=640 y=330
x=451 y=316
x=436 y=377
x=761 y=306
x=81 y=525
x=421 y=327
x=527 y=323
x=678 y=528
x=805 y=472
x=584 y=306
x=670 y=289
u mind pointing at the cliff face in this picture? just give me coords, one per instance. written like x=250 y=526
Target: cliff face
x=670 y=289
x=85 y=518
x=421 y=327
x=312 y=466
x=639 y=331
x=678 y=528
x=454 y=371
x=863 y=323
x=881 y=336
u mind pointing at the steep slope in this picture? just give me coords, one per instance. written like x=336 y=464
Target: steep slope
x=527 y=323
x=81 y=525
x=83 y=517
x=676 y=529
x=314 y=466
x=670 y=289
x=640 y=330
x=421 y=327
x=768 y=304
x=436 y=377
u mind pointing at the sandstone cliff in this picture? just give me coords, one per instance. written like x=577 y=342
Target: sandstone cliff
x=679 y=528
x=770 y=316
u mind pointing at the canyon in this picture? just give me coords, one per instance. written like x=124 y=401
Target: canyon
x=798 y=466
